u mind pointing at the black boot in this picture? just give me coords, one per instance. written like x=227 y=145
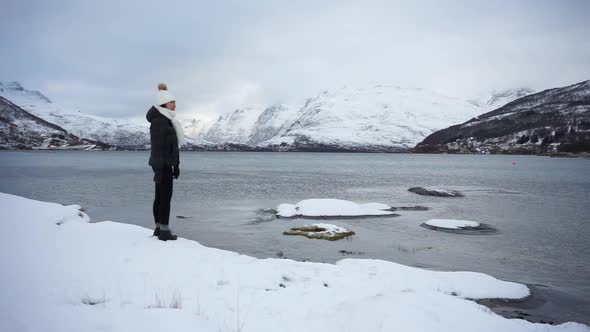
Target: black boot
x=157 y=231
x=166 y=235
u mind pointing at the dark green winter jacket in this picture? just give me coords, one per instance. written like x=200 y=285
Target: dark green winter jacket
x=164 y=151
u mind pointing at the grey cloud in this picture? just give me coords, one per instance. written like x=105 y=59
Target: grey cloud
x=107 y=57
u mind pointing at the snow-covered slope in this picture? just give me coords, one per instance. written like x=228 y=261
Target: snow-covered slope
x=497 y=99
x=377 y=117
x=554 y=120
x=111 y=131
x=380 y=117
x=21 y=130
x=234 y=127
x=195 y=128
x=271 y=122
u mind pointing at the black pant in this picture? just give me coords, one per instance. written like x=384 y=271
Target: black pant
x=163 y=180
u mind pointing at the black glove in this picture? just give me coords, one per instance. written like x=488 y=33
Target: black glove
x=176 y=171
x=157 y=175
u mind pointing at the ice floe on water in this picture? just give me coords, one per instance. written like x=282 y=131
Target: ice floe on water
x=459 y=226
x=333 y=208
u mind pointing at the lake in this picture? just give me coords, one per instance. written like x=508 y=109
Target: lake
x=539 y=205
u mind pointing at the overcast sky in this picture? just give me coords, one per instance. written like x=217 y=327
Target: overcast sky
x=106 y=57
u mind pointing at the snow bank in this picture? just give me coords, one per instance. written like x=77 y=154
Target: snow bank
x=451 y=223
x=62 y=273
x=332 y=208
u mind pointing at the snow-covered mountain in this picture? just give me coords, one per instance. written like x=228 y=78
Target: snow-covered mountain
x=92 y=127
x=234 y=127
x=554 y=120
x=377 y=118
x=497 y=99
x=195 y=128
x=274 y=120
x=20 y=129
x=386 y=118
x=380 y=117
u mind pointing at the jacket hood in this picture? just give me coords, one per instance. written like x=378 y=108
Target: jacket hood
x=152 y=114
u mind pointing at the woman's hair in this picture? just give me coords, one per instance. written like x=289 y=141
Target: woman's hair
x=164 y=105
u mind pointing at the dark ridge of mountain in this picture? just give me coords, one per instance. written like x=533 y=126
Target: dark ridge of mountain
x=120 y=133
x=20 y=129
x=552 y=121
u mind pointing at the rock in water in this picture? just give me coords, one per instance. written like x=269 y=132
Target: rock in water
x=435 y=192
x=321 y=231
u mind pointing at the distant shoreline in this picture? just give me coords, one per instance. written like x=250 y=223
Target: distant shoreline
x=585 y=155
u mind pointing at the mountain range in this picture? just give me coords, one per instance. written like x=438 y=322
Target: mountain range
x=551 y=121
x=20 y=129
x=376 y=118
x=113 y=132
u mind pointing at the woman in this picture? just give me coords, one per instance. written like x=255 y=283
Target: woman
x=166 y=137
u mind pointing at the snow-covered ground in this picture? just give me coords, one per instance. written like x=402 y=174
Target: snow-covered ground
x=328 y=207
x=451 y=223
x=62 y=273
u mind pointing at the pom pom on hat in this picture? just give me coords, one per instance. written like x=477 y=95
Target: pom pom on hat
x=163 y=95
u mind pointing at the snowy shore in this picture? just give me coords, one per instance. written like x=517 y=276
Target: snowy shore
x=63 y=273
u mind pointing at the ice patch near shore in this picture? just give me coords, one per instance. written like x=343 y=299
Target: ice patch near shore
x=63 y=273
x=332 y=208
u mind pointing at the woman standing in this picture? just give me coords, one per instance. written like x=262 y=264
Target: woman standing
x=166 y=137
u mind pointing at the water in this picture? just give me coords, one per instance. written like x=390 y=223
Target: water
x=540 y=206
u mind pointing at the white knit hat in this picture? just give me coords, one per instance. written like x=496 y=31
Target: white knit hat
x=163 y=95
